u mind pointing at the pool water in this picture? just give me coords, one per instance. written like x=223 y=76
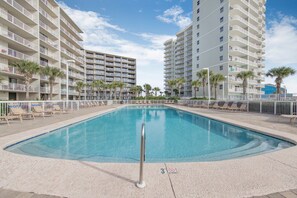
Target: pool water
x=171 y=136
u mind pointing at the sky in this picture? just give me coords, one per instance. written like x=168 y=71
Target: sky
x=138 y=29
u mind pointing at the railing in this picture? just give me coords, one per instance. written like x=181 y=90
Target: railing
x=141 y=183
x=20 y=8
x=16 y=54
x=269 y=107
x=17 y=87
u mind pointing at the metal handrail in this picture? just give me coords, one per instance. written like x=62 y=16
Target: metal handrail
x=141 y=183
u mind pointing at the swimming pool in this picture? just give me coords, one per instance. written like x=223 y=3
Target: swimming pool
x=171 y=136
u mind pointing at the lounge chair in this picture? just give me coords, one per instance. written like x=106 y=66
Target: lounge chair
x=243 y=107
x=292 y=118
x=7 y=118
x=57 y=109
x=214 y=106
x=225 y=106
x=18 y=111
x=38 y=111
x=233 y=107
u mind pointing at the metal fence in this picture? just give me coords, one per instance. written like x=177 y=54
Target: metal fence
x=269 y=107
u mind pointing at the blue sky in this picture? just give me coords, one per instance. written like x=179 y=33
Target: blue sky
x=138 y=28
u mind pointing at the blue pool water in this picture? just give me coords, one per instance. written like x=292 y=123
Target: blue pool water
x=171 y=136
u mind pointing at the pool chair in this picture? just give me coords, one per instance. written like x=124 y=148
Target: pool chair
x=214 y=106
x=57 y=109
x=18 y=111
x=7 y=118
x=292 y=118
x=224 y=107
x=38 y=111
x=243 y=107
x=103 y=103
x=149 y=102
x=233 y=107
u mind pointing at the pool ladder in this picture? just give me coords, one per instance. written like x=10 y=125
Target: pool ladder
x=141 y=183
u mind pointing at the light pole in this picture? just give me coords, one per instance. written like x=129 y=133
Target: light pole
x=67 y=79
x=208 y=85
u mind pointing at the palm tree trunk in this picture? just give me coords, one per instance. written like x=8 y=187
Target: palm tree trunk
x=79 y=95
x=215 y=92
x=51 y=90
x=278 y=88
x=27 y=90
x=203 y=89
x=244 y=86
x=120 y=94
x=195 y=90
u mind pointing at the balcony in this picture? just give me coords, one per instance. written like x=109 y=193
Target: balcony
x=50 y=7
x=49 y=54
x=72 y=56
x=14 y=54
x=48 y=41
x=20 y=40
x=48 y=29
x=46 y=90
x=13 y=71
x=76 y=41
x=72 y=47
x=238 y=60
x=17 y=88
x=50 y=19
x=16 y=22
x=21 y=9
x=46 y=78
x=72 y=28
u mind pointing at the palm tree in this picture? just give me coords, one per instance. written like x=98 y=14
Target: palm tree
x=244 y=76
x=161 y=93
x=196 y=84
x=147 y=89
x=121 y=85
x=93 y=87
x=172 y=85
x=99 y=86
x=179 y=83
x=202 y=76
x=279 y=74
x=27 y=69
x=105 y=87
x=139 y=90
x=216 y=79
x=134 y=90
x=156 y=89
x=52 y=73
x=110 y=87
x=79 y=87
x=114 y=86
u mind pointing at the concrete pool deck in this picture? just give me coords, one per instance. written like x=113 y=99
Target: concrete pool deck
x=245 y=177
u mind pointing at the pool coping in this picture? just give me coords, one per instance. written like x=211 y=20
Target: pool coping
x=279 y=155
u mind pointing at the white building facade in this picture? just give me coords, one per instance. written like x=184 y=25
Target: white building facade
x=228 y=36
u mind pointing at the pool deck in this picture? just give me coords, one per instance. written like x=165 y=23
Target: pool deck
x=246 y=177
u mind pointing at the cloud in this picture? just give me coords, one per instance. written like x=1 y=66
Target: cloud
x=281 y=47
x=175 y=15
x=102 y=35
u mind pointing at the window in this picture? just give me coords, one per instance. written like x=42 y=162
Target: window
x=198 y=18
x=197 y=66
x=198 y=34
x=198 y=26
x=221 y=19
x=221 y=1
x=221 y=39
x=221 y=48
x=221 y=29
x=222 y=9
x=221 y=86
x=198 y=11
x=198 y=50
x=198 y=2
x=198 y=42
x=198 y=58
x=221 y=67
x=221 y=58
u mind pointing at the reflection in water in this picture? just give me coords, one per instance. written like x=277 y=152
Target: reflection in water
x=171 y=135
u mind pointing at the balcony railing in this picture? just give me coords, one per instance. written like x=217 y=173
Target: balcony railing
x=16 y=54
x=20 y=8
x=72 y=28
x=13 y=70
x=17 y=87
x=4 y=14
x=47 y=90
x=49 y=41
x=52 y=8
x=70 y=36
x=48 y=29
x=48 y=54
x=17 y=38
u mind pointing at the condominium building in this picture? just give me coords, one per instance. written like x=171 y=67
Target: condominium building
x=178 y=60
x=41 y=31
x=229 y=37
x=109 y=68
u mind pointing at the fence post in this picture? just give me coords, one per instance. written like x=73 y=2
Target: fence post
x=291 y=108
x=42 y=105
x=71 y=105
x=248 y=106
x=260 y=106
x=275 y=107
x=29 y=107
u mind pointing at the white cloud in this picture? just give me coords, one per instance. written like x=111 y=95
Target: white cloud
x=101 y=35
x=281 y=47
x=175 y=15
